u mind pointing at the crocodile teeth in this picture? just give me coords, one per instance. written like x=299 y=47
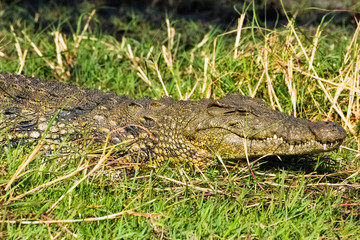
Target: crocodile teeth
x=291 y=147
x=274 y=137
x=324 y=146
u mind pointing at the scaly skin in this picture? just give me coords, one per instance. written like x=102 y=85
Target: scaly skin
x=182 y=131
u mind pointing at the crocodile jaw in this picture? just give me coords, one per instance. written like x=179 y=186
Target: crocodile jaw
x=232 y=146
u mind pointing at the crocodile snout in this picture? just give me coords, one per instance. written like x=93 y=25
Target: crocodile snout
x=326 y=132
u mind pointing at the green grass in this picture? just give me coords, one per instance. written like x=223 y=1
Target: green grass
x=292 y=68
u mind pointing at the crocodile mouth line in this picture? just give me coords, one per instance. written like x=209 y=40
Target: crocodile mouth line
x=325 y=145
x=309 y=144
x=275 y=145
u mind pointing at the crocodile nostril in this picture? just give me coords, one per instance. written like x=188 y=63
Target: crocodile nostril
x=327 y=131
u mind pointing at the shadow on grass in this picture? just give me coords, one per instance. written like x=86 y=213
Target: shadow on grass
x=321 y=164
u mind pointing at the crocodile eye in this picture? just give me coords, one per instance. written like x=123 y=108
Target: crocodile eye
x=135 y=105
x=236 y=111
x=220 y=110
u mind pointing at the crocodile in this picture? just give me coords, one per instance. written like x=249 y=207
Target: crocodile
x=182 y=132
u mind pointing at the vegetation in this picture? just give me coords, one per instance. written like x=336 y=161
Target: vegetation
x=308 y=71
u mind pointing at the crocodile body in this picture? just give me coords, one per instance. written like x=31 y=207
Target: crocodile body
x=190 y=132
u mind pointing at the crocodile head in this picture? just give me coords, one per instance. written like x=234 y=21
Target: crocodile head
x=237 y=126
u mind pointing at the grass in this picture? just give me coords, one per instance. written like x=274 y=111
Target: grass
x=310 y=72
